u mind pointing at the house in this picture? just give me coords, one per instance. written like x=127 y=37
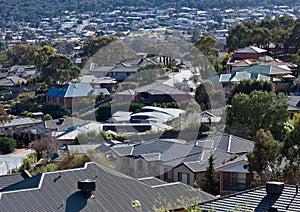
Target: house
x=12 y=81
x=232 y=62
x=212 y=115
x=265 y=69
x=19 y=122
x=50 y=128
x=70 y=134
x=280 y=76
x=94 y=188
x=274 y=196
x=104 y=82
x=171 y=159
x=250 y=52
x=235 y=176
x=153 y=93
x=294 y=105
x=71 y=95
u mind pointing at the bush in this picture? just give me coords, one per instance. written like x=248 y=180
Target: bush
x=7 y=145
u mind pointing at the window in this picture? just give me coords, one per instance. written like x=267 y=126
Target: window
x=61 y=100
x=54 y=99
x=184 y=178
x=49 y=98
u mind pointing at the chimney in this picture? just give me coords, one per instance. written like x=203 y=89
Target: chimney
x=274 y=187
x=86 y=187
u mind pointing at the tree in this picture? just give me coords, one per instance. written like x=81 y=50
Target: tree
x=211 y=184
x=4 y=118
x=44 y=145
x=247 y=86
x=7 y=145
x=208 y=97
x=259 y=110
x=265 y=155
x=42 y=55
x=21 y=55
x=92 y=45
x=59 y=69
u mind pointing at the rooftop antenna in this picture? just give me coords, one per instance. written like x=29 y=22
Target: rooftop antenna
x=97 y=172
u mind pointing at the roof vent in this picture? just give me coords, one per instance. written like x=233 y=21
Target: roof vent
x=274 y=187
x=86 y=187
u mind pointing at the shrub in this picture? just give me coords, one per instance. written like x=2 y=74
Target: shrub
x=7 y=145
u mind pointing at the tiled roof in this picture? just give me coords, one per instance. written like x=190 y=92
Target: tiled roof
x=7 y=180
x=158 y=89
x=72 y=90
x=21 y=121
x=173 y=154
x=63 y=124
x=57 y=191
x=38 y=129
x=250 y=49
x=263 y=69
x=151 y=181
x=256 y=200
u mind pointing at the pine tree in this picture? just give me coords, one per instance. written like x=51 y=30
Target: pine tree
x=211 y=183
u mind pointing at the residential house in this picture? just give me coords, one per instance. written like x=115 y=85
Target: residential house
x=12 y=81
x=94 y=188
x=19 y=123
x=294 y=105
x=176 y=160
x=70 y=134
x=153 y=93
x=105 y=82
x=232 y=62
x=250 y=52
x=228 y=80
x=50 y=128
x=274 y=196
x=235 y=176
x=275 y=74
x=71 y=95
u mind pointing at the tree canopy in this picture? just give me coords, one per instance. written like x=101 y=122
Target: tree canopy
x=59 y=69
x=265 y=155
x=246 y=86
x=281 y=33
x=258 y=110
x=208 y=97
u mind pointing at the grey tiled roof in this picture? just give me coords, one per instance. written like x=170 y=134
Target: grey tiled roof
x=256 y=200
x=176 y=153
x=158 y=89
x=64 y=124
x=122 y=149
x=250 y=49
x=151 y=181
x=219 y=159
x=38 y=129
x=57 y=191
x=7 y=180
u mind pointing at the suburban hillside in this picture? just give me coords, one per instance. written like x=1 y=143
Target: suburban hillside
x=31 y=10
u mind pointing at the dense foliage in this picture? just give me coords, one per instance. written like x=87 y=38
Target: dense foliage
x=7 y=145
x=259 y=110
x=281 y=35
x=208 y=97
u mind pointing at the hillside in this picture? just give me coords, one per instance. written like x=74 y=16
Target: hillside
x=33 y=10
